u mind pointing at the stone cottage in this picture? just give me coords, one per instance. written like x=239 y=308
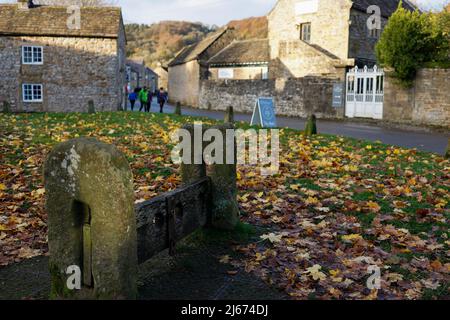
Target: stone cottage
x=324 y=37
x=56 y=59
x=190 y=66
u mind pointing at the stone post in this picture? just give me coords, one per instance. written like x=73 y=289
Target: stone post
x=447 y=153
x=91 y=221
x=6 y=107
x=311 y=126
x=229 y=115
x=178 y=109
x=192 y=172
x=91 y=107
x=224 y=206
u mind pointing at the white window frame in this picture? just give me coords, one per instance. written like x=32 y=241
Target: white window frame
x=33 y=61
x=33 y=86
x=306 y=36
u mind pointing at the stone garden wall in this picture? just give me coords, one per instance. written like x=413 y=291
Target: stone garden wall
x=293 y=97
x=426 y=103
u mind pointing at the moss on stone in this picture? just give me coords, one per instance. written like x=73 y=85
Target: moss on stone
x=91 y=107
x=229 y=115
x=6 y=108
x=311 y=126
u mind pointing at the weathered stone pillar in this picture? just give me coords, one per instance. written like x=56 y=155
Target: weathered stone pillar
x=178 y=109
x=229 y=115
x=196 y=169
x=311 y=126
x=224 y=206
x=6 y=108
x=91 y=221
x=91 y=107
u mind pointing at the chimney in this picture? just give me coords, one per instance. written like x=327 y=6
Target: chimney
x=25 y=4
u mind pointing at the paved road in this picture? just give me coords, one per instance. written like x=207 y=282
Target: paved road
x=425 y=141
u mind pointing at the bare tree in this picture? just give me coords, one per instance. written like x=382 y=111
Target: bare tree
x=83 y=3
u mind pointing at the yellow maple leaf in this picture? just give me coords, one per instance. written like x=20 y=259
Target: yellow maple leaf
x=315 y=272
x=272 y=237
x=351 y=237
x=2 y=187
x=373 y=206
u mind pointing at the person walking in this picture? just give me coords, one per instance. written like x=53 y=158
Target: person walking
x=162 y=99
x=143 y=98
x=132 y=97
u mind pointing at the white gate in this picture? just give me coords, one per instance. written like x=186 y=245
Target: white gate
x=365 y=93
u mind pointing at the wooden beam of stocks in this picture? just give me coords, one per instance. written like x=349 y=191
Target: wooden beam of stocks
x=189 y=210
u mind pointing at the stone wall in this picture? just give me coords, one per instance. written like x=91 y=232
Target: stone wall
x=426 y=103
x=74 y=71
x=298 y=59
x=184 y=82
x=163 y=77
x=294 y=97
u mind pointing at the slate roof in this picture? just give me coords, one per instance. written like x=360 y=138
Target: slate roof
x=101 y=22
x=388 y=7
x=243 y=52
x=193 y=51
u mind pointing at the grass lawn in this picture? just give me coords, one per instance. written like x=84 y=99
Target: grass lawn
x=337 y=206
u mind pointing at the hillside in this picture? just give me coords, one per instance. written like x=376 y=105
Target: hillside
x=161 y=41
x=251 y=28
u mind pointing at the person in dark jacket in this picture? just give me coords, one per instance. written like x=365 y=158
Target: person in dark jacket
x=162 y=99
x=132 y=97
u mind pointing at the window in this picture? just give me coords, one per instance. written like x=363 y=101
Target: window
x=32 y=55
x=226 y=73
x=32 y=92
x=305 y=32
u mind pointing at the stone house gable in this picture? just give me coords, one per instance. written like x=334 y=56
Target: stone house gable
x=189 y=67
x=196 y=50
x=337 y=27
x=49 y=67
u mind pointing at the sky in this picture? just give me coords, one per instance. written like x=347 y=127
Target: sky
x=218 y=12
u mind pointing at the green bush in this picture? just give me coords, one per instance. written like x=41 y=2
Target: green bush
x=412 y=40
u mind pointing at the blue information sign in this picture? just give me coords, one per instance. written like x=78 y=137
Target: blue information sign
x=264 y=113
